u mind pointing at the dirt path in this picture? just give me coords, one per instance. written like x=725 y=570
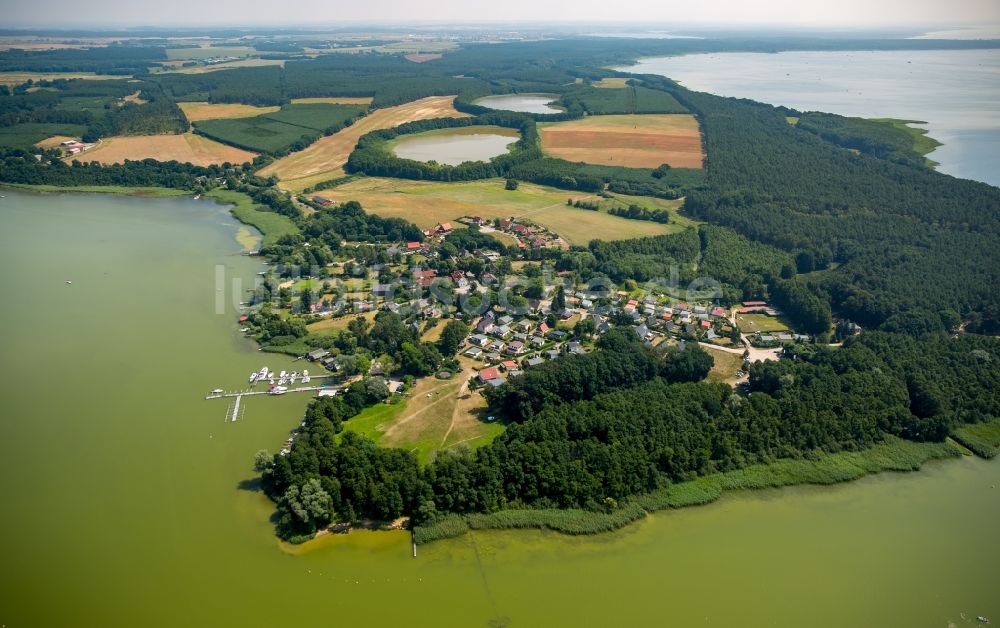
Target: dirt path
x=454 y=413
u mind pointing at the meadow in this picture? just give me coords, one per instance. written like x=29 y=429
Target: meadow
x=436 y=415
x=325 y=158
x=632 y=141
x=427 y=203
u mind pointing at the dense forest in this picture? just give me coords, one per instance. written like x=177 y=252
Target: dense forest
x=594 y=449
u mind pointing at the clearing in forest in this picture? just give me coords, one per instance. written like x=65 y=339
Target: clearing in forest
x=187 y=147
x=438 y=414
x=196 y=111
x=324 y=159
x=632 y=141
x=427 y=203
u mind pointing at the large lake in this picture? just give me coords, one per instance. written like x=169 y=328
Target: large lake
x=128 y=501
x=956 y=92
x=455 y=146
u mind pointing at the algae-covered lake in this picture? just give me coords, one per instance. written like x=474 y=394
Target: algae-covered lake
x=128 y=501
x=455 y=146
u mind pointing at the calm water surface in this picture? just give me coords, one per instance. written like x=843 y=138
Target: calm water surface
x=126 y=503
x=455 y=146
x=527 y=103
x=956 y=92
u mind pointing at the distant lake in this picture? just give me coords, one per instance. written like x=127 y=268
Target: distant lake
x=957 y=92
x=454 y=146
x=526 y=103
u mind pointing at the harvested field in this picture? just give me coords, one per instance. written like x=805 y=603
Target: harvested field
x=422 y=57
x=325 y=158
x=335 y=100
x=188 y=147
x=635 y=141
x=16 y=78
x=610 y=83
x=426 y=203
x=229 y=65
x=196 y=111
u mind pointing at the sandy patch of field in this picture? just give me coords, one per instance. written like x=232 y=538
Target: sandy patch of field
x=16 y=78
x=188 y=147
x=635 y=141
x=325 y=158
x=196 y=111
x=427 y=203
x=334 y=100
x=610 y=83
x=423 y=57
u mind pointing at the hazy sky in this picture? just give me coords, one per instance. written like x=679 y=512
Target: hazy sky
x=194 y=13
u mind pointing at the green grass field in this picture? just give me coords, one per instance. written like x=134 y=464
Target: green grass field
x=27 y=134
x=752 y=323
x=270 y=224
x=276 y=131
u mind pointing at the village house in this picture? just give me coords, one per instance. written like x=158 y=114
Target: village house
x=515 y=347
x=530 y=362
x=473 y=352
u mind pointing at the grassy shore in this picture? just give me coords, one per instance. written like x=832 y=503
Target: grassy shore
x=922 y=143
x=99 y=189
x=892 y=455
x=982 y=438
x=272 y=225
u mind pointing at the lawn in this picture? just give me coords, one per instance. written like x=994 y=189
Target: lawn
x=426 y=203
x=752 y=323
x=270 y=224
x=633 y=141
x=325 y=158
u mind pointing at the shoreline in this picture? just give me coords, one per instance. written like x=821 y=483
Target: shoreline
x=157 y=192
x=892 y=455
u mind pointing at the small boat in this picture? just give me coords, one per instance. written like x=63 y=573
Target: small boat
x=253 y=377
x=197 y=196
x=263 y=373
x=217 y=391
x=983 y=619
x=68 y=281
x=283 y=374
x=277 y=390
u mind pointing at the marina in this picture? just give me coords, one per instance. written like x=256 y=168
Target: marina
x=277 y=384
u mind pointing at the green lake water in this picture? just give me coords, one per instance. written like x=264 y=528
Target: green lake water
x=125 y=496
x=456 y=146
